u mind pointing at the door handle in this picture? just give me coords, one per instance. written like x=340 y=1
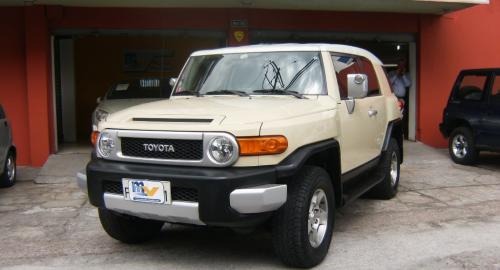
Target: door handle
x=372 y=112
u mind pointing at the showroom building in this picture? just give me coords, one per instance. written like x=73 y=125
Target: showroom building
x=58 y=57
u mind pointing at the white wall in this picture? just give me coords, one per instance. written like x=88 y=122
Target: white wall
x=67 y=68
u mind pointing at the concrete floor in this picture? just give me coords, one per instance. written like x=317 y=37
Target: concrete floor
x=446 y=216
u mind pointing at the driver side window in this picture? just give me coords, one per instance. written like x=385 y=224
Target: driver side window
x=495 y=91
x=349 y=64
x=344 y=65
x=471 y=87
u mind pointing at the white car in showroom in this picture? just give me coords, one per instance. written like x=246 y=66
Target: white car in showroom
x=7 y=153
x=128 y=93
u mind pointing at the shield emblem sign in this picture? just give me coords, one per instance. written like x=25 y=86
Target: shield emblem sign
x=239 y=35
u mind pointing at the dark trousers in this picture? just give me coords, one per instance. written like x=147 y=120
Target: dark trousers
x=406 y=114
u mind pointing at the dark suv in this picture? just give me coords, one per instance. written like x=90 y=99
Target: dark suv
x=471 y=120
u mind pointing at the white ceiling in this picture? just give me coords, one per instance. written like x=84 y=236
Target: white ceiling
x=400 y=6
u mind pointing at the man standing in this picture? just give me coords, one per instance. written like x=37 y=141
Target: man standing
x=400 y=81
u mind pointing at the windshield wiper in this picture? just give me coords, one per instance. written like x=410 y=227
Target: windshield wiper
x=188 y=93
x=280 y=92
x=225 y=92
x=301 y=71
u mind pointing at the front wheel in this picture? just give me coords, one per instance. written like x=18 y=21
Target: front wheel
x=303 y=227
x=128 y=229
x=8 y=177
x=461 y=146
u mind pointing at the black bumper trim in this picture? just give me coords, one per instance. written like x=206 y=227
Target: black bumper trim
x=213 y=185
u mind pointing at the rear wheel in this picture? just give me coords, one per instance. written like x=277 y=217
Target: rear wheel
x=8 y=177
x=389 y=169
x=303 y=227
x=461 y=146
x=128 y=229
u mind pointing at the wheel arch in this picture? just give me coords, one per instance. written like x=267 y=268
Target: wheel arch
x=394 y=130
x=456 y=123
x=13 y=150
x=325 y=154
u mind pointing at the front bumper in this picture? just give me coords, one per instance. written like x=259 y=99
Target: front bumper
x=230 y=197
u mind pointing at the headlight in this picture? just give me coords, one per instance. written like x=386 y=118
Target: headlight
x=106 y=144
x=99 y=115
x=221 y=150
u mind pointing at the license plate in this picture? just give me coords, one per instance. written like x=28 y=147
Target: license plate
x=147 y=191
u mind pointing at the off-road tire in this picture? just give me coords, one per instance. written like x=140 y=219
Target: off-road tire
x=128 y=229
x=472 y=153
x=5 y=180
x=388 y=187
x=290 y=224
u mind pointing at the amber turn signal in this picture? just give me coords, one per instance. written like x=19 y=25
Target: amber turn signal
x=93 y=137
x=265 y=145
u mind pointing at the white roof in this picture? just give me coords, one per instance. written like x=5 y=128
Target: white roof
x=293 y=47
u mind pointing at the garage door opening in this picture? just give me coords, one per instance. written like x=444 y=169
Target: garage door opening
x=390 y=48
x=88 y=65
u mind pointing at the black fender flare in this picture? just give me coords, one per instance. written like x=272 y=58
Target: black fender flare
x=394 y=130
x=328 y=151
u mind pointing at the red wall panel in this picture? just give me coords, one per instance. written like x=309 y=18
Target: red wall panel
x=219 y=19
x=137 y=18
x=460 y=40
x=38 y=84
x=333 y=21
x=13 y=94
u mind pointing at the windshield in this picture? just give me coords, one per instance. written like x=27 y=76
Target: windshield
x=140 y=88
x=253 y=73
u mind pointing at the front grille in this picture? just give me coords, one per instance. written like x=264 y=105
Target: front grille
x=113 y=187
x=184 y=194
x=182 y=149
x=178 y=193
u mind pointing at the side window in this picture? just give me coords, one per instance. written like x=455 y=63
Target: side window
x=471 y=87
x=495 y=90
x=343 y=65
x=367 y=68
x=2 y=113
x=349 y=64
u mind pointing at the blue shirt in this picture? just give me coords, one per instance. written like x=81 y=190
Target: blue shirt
x=399 y=83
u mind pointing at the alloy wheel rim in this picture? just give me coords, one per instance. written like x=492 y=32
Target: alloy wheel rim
x=317 y=222
x=394 y=169
x=460 y=146
x=11 y=169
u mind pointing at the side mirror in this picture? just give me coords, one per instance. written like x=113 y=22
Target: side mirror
x=99 y=99
x=350 y=103
x=357 y=85
x=172 y=81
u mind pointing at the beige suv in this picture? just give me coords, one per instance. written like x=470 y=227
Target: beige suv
x=267 y=134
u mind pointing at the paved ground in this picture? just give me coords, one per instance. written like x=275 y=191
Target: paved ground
x=445 y=217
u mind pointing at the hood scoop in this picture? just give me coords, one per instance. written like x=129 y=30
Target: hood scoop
x=172 y=120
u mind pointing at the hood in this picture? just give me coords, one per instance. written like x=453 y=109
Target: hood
x=223 y=109
x=115 y=105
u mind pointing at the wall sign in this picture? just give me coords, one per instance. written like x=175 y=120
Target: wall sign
x=147 y=60
x=239 y=23
x=239 y=35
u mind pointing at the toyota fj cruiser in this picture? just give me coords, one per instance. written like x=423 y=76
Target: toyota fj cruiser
x=275 y=134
